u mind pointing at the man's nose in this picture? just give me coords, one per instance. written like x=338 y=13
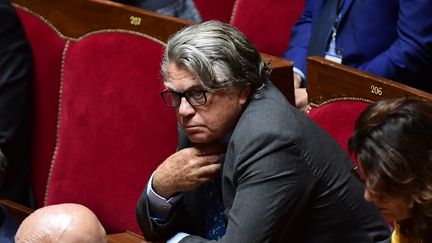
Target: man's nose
x=185 y=108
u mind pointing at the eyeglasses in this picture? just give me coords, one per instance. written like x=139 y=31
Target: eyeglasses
x=194 y=97
x=357 y=173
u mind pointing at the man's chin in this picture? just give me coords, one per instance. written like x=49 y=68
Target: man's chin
x=198 y=137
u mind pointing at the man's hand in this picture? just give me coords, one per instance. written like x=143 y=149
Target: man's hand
x=297 y=80
x=300 y=94
x=301 y=99
x=187 y=169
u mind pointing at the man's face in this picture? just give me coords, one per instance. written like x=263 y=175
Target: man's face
x=211 y=121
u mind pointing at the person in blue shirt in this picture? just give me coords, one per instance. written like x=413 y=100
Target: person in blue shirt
x=391 y=39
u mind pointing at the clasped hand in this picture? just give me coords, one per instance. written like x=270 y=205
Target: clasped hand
x=188 y=169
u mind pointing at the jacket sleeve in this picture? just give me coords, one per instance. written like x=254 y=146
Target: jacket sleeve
x=411 y=53
x=300 y=35
x=153 y=230
x=157 y=231
x=269 y=180
x=15 y=71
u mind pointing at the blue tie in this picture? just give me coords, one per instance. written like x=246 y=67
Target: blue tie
x=214 y=221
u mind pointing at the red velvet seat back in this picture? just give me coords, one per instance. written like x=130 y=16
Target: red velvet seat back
x=267 y=23
x=338 y=119
x=114 y=129
x=47 y=53
x=220 y=10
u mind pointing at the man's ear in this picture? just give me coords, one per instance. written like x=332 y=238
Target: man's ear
x=244 y=94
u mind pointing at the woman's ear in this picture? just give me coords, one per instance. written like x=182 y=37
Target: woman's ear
x=411 y=203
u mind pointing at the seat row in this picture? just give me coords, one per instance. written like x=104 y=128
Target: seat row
x=99 y=126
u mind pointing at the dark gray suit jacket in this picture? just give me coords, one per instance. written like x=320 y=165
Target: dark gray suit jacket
x=284 y=180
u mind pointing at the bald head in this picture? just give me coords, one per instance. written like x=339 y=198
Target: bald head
x=66 y=223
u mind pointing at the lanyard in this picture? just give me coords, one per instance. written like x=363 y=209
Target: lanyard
x=339 y=7
x=332 y=52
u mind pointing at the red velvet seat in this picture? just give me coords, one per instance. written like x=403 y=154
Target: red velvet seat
x=338 y=94
x=114 y=129
x=267 y=23
x=100 y=125
x=338 y=119
x=47 y=54
x=220 y=10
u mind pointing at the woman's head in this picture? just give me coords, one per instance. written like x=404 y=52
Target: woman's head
x=392 y=142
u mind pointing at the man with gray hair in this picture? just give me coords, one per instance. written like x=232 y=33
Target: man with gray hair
x=249 y=167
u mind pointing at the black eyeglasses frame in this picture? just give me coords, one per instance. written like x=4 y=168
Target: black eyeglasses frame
x=187 y=95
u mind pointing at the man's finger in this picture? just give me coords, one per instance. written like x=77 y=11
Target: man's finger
x=209 y=171
x=208 y=160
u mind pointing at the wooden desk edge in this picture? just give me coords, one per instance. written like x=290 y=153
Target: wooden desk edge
x=126 y=237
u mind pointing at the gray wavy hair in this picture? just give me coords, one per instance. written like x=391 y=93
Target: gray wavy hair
x=218 y=55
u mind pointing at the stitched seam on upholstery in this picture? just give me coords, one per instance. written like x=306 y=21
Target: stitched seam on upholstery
x=340 y=99
x=234 y=12
x=119 y=31
x=54 y=157
x=41 y=18
x=87 y=34
x=326 y=102
x=66 y=47
x=59 y=109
